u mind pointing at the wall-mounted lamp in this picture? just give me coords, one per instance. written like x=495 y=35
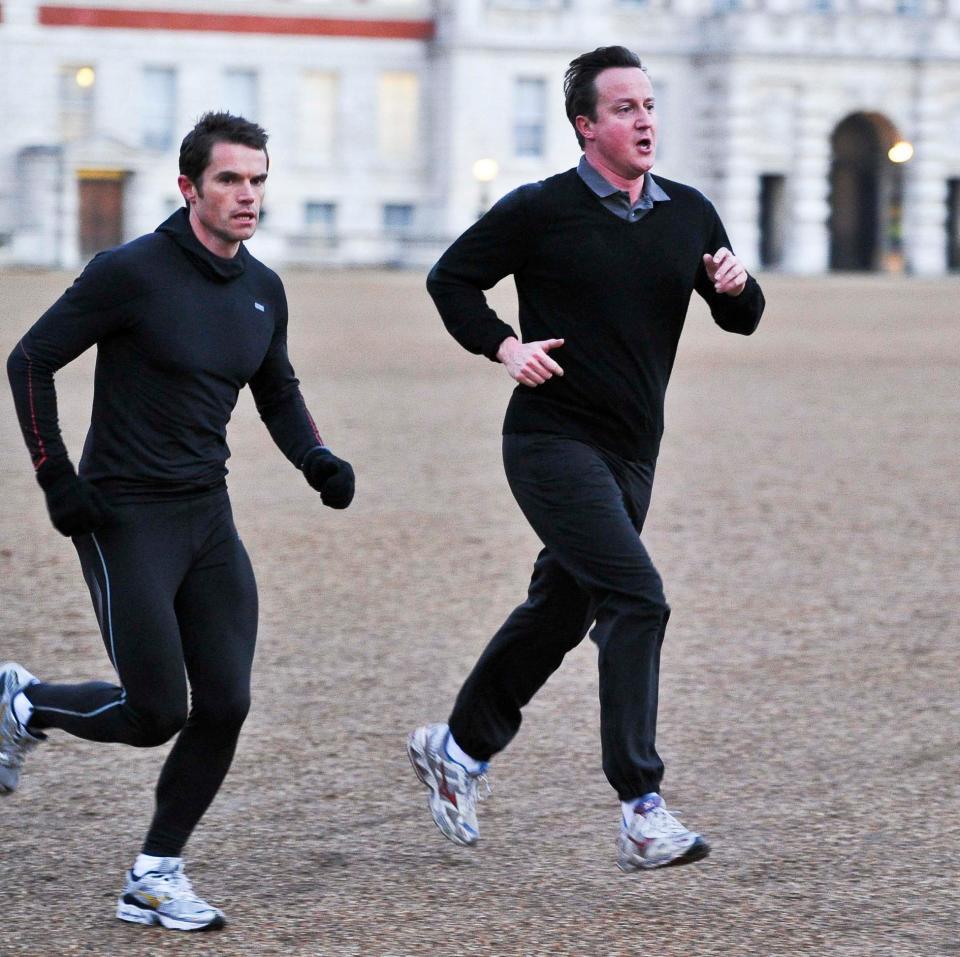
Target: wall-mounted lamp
x=900 y=152
x=485 y=172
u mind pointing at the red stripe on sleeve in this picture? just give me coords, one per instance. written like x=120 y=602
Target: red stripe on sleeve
x=41 y=448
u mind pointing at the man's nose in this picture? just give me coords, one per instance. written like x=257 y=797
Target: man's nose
x=246 y=193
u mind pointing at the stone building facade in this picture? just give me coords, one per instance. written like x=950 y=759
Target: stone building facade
x=782 y=111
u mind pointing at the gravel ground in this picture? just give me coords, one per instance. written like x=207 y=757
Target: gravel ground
x=806 y=523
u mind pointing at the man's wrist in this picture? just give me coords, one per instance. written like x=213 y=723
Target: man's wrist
x=312 y=453
x=506 y=347
x=55 y=472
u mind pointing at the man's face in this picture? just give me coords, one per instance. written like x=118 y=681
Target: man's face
x=623 y=137
x=225 y=204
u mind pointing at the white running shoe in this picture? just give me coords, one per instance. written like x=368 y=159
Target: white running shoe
x=655 y=838
x=15 y=740
x=453 y=790
x=164 y=896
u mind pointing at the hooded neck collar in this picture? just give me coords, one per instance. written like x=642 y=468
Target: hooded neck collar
x=178 y=228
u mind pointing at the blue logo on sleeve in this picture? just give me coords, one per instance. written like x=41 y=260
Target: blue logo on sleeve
x=257 y=305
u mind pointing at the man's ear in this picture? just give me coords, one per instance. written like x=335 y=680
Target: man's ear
x=585 y=127
x=187 y=189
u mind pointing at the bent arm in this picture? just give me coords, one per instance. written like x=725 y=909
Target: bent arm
x=741 y=312
x=492 y=248
x=276 y=392
x=93 y=308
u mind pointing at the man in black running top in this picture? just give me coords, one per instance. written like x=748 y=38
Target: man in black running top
x=182 y=319
x=605 y=258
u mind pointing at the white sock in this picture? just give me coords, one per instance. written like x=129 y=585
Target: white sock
x=145 y=862
x=456 y=753
x=22 y=709
x=629 y=808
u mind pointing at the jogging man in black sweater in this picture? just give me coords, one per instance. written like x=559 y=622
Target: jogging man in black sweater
x=605 y=258
x=182 y=319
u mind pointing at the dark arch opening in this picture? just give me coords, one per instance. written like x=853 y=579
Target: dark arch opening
x=866 y=195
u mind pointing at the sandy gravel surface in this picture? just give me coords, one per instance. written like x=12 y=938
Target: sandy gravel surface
x=806 y=520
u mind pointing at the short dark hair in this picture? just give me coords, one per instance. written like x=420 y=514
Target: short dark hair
x=213 y=128
x=579 y=88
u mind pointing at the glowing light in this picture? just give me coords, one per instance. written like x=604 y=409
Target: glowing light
x=900 y=152
x=485 y=170
x=85 y=77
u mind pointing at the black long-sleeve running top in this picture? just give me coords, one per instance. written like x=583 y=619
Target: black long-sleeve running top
x=616 y=291
x=179 y=331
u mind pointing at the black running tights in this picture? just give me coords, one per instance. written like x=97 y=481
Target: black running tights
x=176 y=600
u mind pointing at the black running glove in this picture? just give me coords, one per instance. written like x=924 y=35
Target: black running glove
x=331 y=477
x=76 y=507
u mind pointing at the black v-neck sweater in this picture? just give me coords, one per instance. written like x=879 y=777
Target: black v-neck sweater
x=617 y=292
x=179 y=332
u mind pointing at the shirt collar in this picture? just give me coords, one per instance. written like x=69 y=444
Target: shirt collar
x=651 y=193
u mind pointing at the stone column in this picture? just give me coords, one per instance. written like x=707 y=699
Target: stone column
x=807 y=248
x=39 y=221
x=925 y=195
x=740 y=209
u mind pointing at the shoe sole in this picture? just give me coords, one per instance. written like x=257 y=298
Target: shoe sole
x=428 y=780
x=143 y=915
x=696 y=852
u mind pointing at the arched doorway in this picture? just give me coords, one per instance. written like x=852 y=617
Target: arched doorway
x=866 y=195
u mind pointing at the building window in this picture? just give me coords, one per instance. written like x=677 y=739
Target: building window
x=397 y=217
x=398 y=108
x=529 y=109
x=240 y=93
x=953 y=224
x=320 y=218
x=158 y=110
x=317 y=116
x=77 y=85
x=772 y=219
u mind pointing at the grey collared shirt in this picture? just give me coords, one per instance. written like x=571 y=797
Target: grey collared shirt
x=617 y=200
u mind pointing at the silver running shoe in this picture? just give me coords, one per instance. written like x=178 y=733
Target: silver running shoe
x=655 y=838
x=164 y=896
x=453 y=791
x=15 y=740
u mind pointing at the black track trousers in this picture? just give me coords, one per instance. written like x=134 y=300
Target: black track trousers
x=176 y=599
x=587 y=506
